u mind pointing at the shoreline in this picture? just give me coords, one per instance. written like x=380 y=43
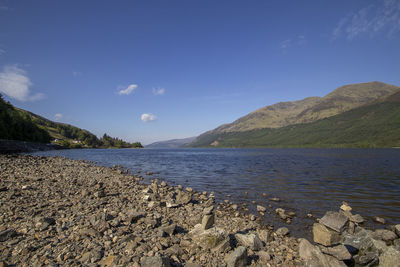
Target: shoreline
x=61 y=211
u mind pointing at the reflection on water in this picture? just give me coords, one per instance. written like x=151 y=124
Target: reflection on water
x=307 y=180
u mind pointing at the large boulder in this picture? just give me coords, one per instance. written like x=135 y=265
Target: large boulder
x=324 y=236
x=390 y=258
x=237 y=258
x=385 y=235
x=251 y=241
x=334 y=220
x=209 y=238
x=340 y=252
x=313 y=256
x=362 y=247
x=155 y=261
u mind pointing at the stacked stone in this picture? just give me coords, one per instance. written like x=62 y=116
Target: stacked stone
x=341 y=241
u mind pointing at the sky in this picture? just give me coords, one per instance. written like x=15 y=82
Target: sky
x=157 y=70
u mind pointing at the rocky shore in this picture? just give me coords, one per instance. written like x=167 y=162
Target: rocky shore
x=61 y=212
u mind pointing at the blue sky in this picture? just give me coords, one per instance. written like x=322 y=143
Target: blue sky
x=156 y=70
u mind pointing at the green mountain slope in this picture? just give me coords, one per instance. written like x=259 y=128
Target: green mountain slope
x=14 y=126
x=375 y=125
x=309 y=109
x=19 y=124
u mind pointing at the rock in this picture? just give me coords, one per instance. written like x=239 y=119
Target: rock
x=251 y=241
x=281 y=213
x=209 y=238
x=261 y=208
x=397 y=229
x=361 y=245
x=155 y=261
x=192 y=264
x=208 y=221
x=334 y=220
x=357 y=218
x=168 y=230
x=379 y=220
x=275 y=199
x=313 y=257
x=209 y=210
x=340 y=252
x=223 y=247
x=390 y=258
x=380 y=245
x=264 y=256
x=7 y=234
x=133 y=216
x=396 y=244
x=324 y=236
x=237 y=258
x=305 y=249
x=108 y=261
x=345 y=207
x=383 y=234
x=252 y=217
x=282 y=231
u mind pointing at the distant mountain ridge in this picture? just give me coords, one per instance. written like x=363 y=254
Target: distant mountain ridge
x=173 y=143
x=308 y=113
x=310 y=109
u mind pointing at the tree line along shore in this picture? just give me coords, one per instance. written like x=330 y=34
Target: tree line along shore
x=61 y=212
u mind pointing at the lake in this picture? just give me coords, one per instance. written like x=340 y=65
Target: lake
x=306 y=180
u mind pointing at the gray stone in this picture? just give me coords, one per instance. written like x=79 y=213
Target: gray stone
x=383 y=234
x=155 y=261
x=397 y=229
x=7 y=234
x=313 y=257
x=251 y=241
x=237 y=258
x=282 y=231
x=334 y=220
x=223 y=247
x=209 y=210
x=264 y=256
x=209 y=238
x=396 y=244
x=390 y=258
x=340 y=252
x=362 y=247
x=379 y=220
x=324 y=236
x=192 y=264
x=261 y=208
x=380 y=245
x=168 y=230
x=208 y=221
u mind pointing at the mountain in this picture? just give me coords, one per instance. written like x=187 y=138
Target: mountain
x=174 y=143
x=14 y=126
x=357 y=115
x=310 y=109
x=22 y=125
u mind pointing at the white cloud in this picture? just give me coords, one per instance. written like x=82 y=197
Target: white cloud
x=158 y=91
x=370 y=20
x=4 y=8
x=147 y=117
x=2 y=51
x=58 y=116
x=15 y=83
x=128 y=90
x=76 y=73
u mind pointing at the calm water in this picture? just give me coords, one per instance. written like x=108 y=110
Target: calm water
x=306 y=180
